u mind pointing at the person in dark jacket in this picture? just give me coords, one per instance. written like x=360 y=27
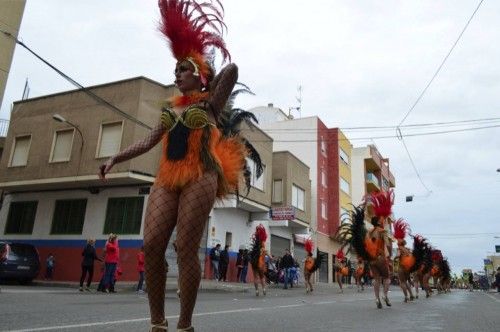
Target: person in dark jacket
x=89 y=256
x=497 y=279
x=287 y=263
x=224 y=263
x=245 y=260
x=239 y=264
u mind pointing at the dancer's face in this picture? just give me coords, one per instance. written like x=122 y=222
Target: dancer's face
x=185 y=80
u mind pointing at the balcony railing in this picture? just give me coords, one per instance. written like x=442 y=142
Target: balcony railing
x=4 y=127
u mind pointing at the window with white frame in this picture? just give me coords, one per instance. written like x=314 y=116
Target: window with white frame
x=298 y=197
x=256 y=182
x=61 y=145
x=323 y=209
x=20 y=151
x=344 y=186
x=343 y=156
x=110 y=139
x=323 y=145
x=323 y=178
x=277 y=191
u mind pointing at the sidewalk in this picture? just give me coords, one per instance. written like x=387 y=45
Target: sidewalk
x=127 y=286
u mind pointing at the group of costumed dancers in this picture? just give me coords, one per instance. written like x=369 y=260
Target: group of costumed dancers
x=369 y=233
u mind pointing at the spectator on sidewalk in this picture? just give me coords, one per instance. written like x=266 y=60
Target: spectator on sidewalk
x=244 y=270
x=111 y=259
x=140 y=269
x=224 y=263
x=215 y=259
x=497 y=279
x=89 y=256
x=286 y=264
x=50 y=266
x=239 y=264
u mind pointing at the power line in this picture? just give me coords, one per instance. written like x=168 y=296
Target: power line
x=441 y=65
x=380 y=137
x=78 y=85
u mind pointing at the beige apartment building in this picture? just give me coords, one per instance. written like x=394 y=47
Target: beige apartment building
x=11 y=13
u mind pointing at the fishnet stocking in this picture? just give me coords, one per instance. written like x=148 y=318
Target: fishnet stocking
x=195 y=202
x=258 y=276
x=161 y=216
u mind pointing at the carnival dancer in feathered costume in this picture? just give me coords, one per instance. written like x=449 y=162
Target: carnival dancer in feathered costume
x=310 y=264
x=373 y=246
x=421 y=270
x=437 y=269
x=340 y=268
x=200 y=160
x=359 y=274
x=405 y=257
x=258 y=255
x=445 y=278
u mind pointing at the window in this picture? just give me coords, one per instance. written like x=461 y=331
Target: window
x=21 y=217
x=61 y=145
x=69 y=215
x=19 y=156
x=343 y=156
x=277 y=191
x=298 y=198
x=344 y=186
x=257 y=182
x=323 y=178
x=110 y=139
x=323 y=210
x=229 y=239
x=323 y=145
x=124 y=215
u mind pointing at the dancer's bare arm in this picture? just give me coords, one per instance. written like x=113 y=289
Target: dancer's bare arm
x=221 y=87
x=134 y=150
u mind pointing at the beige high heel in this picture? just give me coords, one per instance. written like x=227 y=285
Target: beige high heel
x=163 y=326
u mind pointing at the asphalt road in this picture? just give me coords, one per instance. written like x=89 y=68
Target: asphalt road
x=62 y=309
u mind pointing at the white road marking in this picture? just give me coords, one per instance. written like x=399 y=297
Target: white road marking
x=492 y=297
x=124 y=321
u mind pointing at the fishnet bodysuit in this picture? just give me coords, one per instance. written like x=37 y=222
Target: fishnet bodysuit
x=187 y=208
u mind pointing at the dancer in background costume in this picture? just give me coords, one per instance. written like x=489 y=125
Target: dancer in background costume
x=311 y=264
x=258 y=258
x=202 y=155
x=423 y=263
x=372 y=246
x=359 y=273
x=341 y=269
x=405 y=257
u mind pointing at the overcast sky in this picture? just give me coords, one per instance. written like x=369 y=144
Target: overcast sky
x=360 y=63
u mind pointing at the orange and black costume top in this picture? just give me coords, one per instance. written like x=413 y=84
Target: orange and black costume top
x=193 y=145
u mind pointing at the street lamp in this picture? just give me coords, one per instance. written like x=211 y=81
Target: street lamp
x=60 y=118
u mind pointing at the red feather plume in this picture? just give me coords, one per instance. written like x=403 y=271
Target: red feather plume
x=309 y=245
x=260 y=233
x=184 y=23
x=382 y=202
x=340 y=255
x=401 y=228
x=437 y=255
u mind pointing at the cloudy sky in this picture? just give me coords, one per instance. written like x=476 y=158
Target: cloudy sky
x=360 y=63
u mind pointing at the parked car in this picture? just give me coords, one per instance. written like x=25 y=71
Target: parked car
x=18 y=261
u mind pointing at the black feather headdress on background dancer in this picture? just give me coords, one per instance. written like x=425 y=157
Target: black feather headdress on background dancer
x=258 y=246
x=422 y=252
x=353 y=232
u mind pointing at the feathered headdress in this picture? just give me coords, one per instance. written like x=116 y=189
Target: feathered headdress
x=340 y=254
x=437 y=256
x=382 y=202
x=401 y=227
x=258 y=242
x=308 y=246
x=185 y=22
x=422 y=252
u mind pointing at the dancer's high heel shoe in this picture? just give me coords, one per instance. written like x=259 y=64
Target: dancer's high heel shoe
x=387 y=303
x=163 y=326
x=379 y=304
x=187 y=329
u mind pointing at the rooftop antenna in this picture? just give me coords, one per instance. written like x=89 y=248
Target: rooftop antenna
x=298 y=98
